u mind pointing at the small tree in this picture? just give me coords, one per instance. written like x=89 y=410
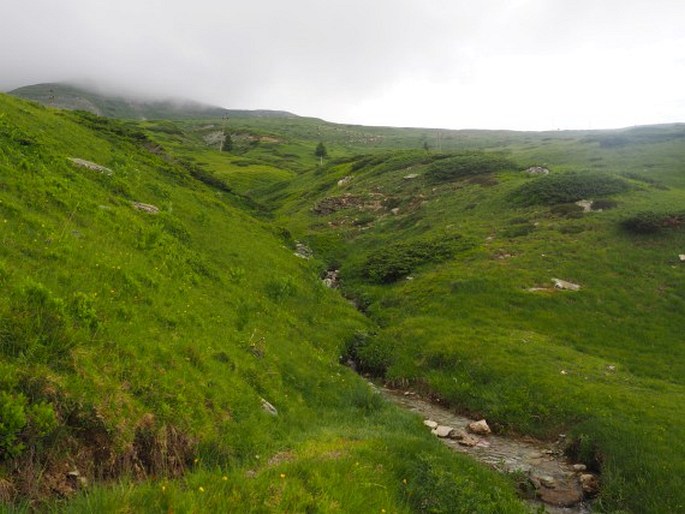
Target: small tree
x=227 y=143
x=321 y=152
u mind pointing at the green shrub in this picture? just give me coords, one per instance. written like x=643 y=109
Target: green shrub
x=83 y=311
x=367 y=354
x=603 y=204
x=398 y=260
x=280 y=289
x=36 y=327
x=518 y=230
x=650 y=222
x=567 y=210
x=467 y=164
x=567 y=188
x=12 y=422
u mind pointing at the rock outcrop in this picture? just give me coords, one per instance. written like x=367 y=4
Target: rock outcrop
x=563 y=284
x=90 y=165
x=479 y=427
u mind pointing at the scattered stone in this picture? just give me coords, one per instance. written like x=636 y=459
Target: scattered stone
x=369 y=202
x=611 y=367
x=146 y=207
x=564 y=285
x=90 y=165
x=482 y=443
x=458 y=434
x=430 y=423
x=538 y=289
x=579 y=467
x=564 y=372
x=411 y=176
x=345 y=180
x=331 y=279
x=442 y=431
x=567 y=494
x=589 y=483
x=537 y=170
x=585 y=204
x=395 y=210
x=303 y=251
x=547 y=482
x=270 y=409
x=409 y=278
x=469 y=441
x=75 y=479
x=681 y=257
x=479 y=427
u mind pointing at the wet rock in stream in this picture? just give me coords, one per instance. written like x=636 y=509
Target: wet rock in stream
x=560 y=485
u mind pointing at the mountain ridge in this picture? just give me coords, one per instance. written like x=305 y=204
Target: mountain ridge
x=75 y=97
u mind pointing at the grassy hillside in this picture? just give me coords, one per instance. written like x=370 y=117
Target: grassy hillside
x=453 y=257
x=162 y=348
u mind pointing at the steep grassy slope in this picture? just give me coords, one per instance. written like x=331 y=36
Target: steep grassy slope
x=453 y=256
x=148 y=314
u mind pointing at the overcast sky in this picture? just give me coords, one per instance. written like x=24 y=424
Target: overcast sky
x=518 y=64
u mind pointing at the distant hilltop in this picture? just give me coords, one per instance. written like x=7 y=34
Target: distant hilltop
x=74 y=97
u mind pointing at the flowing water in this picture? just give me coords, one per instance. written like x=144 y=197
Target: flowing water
x=552 y=480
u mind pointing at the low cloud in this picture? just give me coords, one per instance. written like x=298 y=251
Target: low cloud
x=526 y=64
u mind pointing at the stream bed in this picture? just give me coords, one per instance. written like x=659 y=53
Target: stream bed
x=554 y=482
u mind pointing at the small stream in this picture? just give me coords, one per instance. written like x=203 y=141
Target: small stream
x=554 y=481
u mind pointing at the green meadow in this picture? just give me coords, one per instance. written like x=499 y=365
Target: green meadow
x=182 y=358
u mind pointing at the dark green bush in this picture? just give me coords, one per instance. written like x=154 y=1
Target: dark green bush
x=567 y=188
x=467 y=164
x=650 y=222
x=398 y=260
x=603 y=204
x=22 y=423
x=567 y=210
x=367 y=354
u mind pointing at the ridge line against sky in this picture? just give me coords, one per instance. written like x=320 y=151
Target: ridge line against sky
x=492 y=64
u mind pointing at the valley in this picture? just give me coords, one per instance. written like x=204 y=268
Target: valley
x=167 y=342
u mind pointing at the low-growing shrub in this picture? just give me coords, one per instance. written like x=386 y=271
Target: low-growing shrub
x=22 y=423
x=567 y=188
x=567 y=210
x=367 y=354
x=650 y=222
x=571 y=229
x=280 y=289
x=36 y=327
x=645 y=179
x=520 y=230
x=398 y=260
x=467 y=164
x=603 y=204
